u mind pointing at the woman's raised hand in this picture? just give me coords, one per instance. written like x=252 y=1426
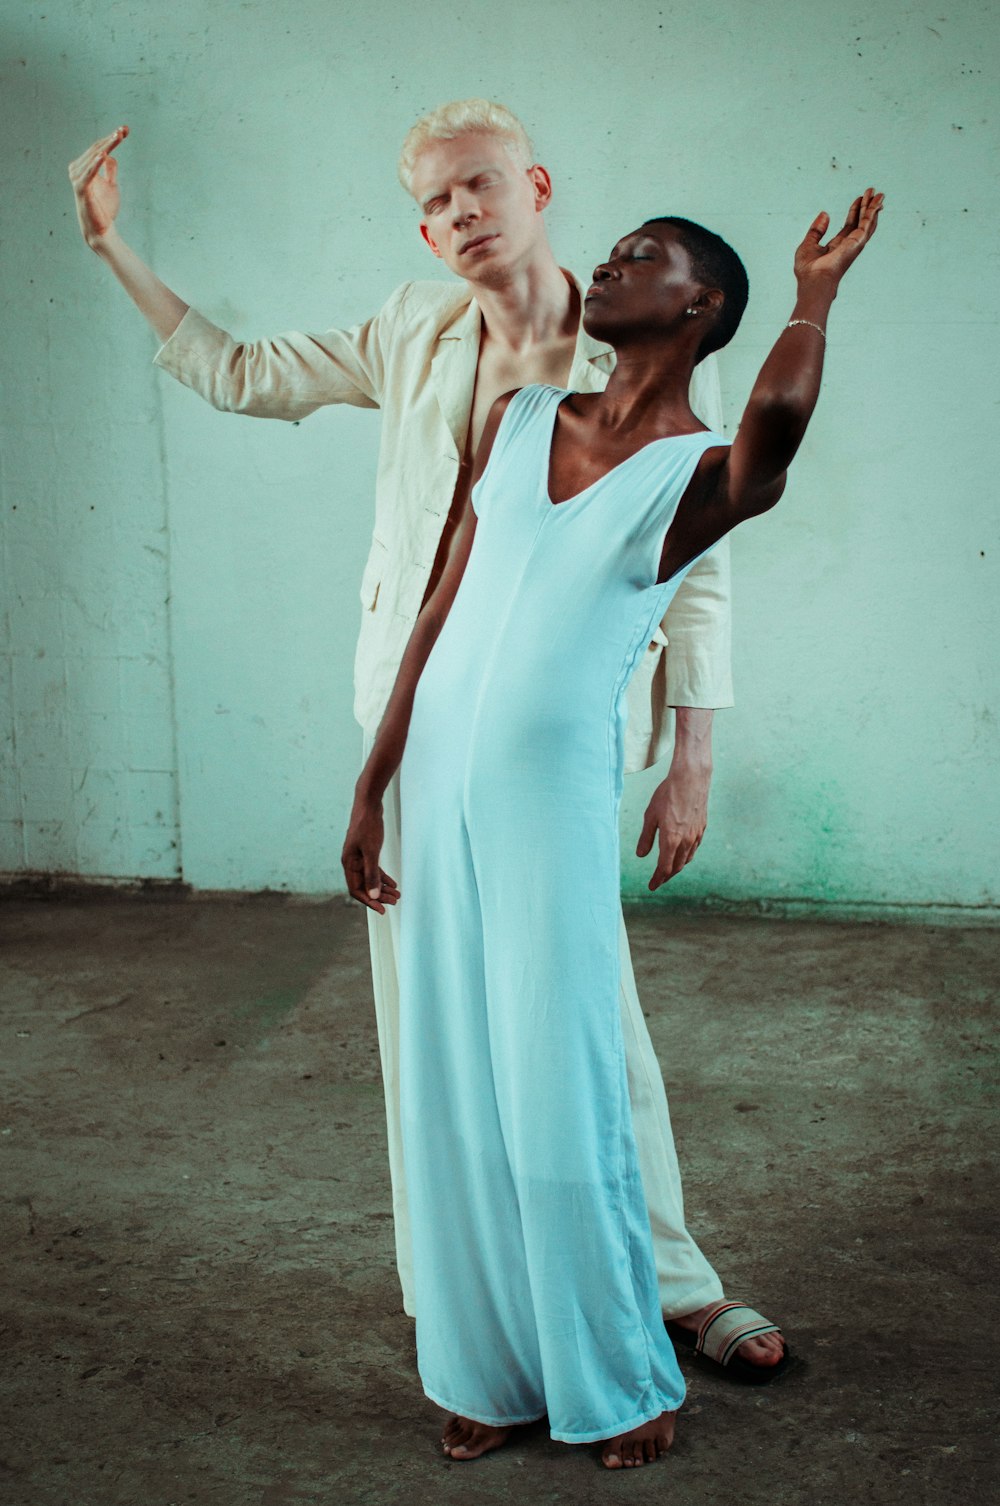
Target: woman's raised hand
x=823 y=266
x=94 y=176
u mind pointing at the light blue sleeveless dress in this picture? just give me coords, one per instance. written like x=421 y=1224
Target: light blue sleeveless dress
x=536 y=1289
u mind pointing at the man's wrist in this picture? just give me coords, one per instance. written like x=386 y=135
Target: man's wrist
x=103 y=244
x=691 y=766
x=693 y=739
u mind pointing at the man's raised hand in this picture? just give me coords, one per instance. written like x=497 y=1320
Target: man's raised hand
x=94 y=176
x=817 y=265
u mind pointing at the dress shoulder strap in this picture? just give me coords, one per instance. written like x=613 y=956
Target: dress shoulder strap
x=526 y=410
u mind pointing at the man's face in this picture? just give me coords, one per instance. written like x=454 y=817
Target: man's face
x=644 y=287
x=480 y=211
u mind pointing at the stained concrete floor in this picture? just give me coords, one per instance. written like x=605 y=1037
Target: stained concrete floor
x=201 y=1303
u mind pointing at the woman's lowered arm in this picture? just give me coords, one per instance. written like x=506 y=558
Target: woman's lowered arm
x=366 y=881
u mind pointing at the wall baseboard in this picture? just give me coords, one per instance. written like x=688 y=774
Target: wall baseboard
x=67 y=886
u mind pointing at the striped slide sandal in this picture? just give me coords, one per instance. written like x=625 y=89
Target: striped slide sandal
x=724 y=1328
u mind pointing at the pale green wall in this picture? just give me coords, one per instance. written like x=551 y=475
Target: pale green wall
x=180 y=586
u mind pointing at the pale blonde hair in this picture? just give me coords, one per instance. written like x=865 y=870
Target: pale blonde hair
x=457 y=119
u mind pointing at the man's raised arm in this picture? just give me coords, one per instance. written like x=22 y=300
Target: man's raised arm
x=288 y=376
x=94 y=176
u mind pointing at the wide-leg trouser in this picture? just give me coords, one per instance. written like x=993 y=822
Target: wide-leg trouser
x=533 y=1263
x=686 y=1279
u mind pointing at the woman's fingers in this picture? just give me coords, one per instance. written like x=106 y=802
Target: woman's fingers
x=838 y=253
x=817 y=229
x=359 y=880
x=366 y=882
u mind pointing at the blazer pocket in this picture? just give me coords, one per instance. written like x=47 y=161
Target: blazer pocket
x=371 y=576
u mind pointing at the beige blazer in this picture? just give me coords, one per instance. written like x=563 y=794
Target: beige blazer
x=416 y=361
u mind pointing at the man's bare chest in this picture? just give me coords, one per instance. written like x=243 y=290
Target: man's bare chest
x=503 y=371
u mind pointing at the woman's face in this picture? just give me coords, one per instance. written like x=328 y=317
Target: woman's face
x=645 y=286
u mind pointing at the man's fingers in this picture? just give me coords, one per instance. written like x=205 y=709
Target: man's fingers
x=108 y=143
x=89 y=161
x=664 y=872
x=91 y=170
x=669 y=861
x=86 y=159
x=646 y=835
x=675 y=853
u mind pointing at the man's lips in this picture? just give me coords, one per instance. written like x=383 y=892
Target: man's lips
x=596 y=290
x=480 y=240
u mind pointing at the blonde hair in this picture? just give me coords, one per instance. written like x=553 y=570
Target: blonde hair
x=458 y=118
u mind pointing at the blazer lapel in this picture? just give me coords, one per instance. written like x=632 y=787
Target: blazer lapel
x=453 y=371
x=456 y=356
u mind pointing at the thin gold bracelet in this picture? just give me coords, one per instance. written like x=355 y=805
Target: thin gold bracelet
x=810 y=323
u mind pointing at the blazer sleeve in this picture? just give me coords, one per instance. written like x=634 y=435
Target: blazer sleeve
x=696 y=631
x=288 y=376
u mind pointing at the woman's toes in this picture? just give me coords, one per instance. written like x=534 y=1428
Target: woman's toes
x=465 y=1439
x=457 y=1434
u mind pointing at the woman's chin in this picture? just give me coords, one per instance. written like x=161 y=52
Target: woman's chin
x=594 y=321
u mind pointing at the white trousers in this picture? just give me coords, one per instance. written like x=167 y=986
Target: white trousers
x=686 y=1280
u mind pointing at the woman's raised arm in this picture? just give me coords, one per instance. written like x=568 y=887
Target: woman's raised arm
x=785 y=392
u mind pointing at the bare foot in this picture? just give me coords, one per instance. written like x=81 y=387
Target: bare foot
x=464 y=1439
x=642 y=1445
x=765 y=1349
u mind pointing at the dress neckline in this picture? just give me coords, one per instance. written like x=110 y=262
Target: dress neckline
x=664 y=439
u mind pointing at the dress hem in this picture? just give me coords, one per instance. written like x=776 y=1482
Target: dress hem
x=489 y=1422
x=601 y=1436
x=617 y=1430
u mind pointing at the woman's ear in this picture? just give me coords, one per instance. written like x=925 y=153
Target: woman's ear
x=708 y=301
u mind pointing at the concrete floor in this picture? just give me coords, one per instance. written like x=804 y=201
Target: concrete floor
x=201 y=1301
